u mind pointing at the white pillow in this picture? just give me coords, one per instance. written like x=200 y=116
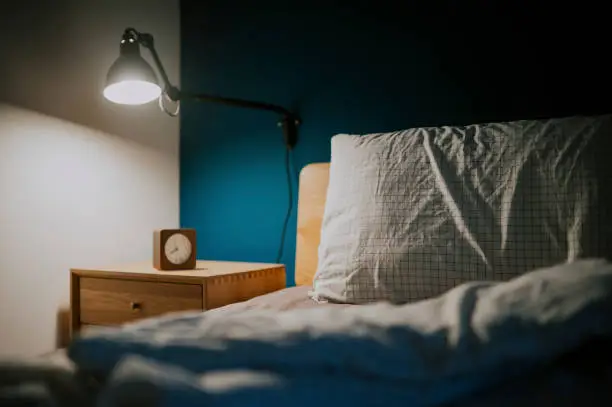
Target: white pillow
x=413 y=213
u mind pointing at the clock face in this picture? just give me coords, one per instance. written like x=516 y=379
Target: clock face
x=178 y=249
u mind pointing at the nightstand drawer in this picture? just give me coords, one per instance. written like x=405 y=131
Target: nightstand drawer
x=114 y=301
x=116 y=295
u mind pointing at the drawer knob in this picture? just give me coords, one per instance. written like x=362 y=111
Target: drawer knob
x=136 y=306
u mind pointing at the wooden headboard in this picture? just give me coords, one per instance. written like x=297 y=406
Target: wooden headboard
x=314 y=179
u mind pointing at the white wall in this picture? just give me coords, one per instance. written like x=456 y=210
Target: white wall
x=83 y=182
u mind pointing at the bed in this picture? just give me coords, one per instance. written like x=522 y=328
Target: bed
x=529 y=337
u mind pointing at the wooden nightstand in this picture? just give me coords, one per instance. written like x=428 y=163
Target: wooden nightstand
x=111 y=296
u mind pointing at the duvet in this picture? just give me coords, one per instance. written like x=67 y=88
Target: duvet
x=539 y=339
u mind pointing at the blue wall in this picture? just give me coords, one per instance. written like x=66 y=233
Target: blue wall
x=366 y=68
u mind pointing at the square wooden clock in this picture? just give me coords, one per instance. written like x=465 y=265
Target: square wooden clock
x=174 y=249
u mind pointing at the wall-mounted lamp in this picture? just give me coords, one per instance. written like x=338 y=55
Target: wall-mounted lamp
x=132 y=81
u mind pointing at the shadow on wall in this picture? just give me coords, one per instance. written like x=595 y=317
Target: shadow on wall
x=70 y=197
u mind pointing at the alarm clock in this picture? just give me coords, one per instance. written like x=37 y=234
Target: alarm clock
x=174 y=249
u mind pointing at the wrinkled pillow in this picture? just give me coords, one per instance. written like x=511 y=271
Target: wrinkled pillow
x=413 y=213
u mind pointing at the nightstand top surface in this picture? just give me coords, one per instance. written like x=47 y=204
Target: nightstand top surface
x=204 y=269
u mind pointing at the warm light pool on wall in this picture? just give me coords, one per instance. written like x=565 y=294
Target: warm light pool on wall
x=132 y=81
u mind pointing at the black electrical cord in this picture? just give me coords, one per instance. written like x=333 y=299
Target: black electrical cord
x=294 y=171
x=281 y=247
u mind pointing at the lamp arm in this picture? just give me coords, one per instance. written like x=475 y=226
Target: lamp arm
x=249 y=104
x=289 y=121
x=147 y=41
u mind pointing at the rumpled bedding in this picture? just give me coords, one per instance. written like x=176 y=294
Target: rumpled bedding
x=473 y=338
x=41 y=382
x=543 y=336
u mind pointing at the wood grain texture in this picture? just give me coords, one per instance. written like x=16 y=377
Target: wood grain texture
x=107 y=301
x=75 y=303
x=144 y=271
x=62 y=327
x=228 y=289
x=104 y=296
x=314 y=179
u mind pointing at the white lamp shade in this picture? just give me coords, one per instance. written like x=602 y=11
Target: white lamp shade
x=131 y=81
x=132 y=92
